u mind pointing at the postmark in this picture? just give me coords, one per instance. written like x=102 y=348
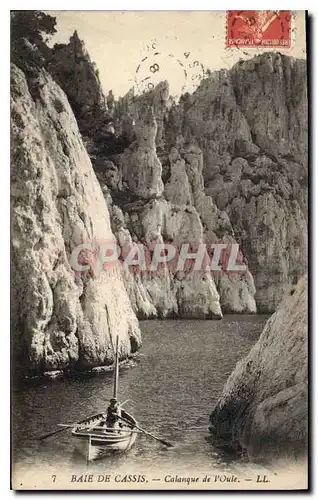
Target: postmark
x=156 y=66
x=259 y=28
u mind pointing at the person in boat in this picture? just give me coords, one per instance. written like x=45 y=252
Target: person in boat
x=112 y=415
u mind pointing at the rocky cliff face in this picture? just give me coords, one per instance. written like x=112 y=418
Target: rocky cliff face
x=60 y=320
x=71 y=66
x=249 y=185
x=251 y=124
x=178 y=212
x=263 y=407
x=153 y=181
x=145 y=216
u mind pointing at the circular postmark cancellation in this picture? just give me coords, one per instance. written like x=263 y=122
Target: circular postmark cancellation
x=259 y=28
x=184 y=72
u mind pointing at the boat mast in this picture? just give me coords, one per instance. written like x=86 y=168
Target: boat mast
x=116 y=372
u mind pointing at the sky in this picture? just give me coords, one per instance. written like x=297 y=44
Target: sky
x=141 y=48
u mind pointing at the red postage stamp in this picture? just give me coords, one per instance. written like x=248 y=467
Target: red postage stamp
x=259 y=28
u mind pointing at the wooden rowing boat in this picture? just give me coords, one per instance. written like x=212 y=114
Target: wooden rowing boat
x=95 y=438
x=105 y=433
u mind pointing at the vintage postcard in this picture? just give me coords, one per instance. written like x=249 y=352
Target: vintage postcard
x=159 y=186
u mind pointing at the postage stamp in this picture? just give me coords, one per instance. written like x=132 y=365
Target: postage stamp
x=258 y=28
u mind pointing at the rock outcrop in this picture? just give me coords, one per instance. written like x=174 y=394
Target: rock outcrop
x=263 y=407
x=251 y=124
x=153 y=220
x=60 y=320
x=190 y=216
x=152 y=206
x=71 y=67
x=139 y=164
x=235 y=152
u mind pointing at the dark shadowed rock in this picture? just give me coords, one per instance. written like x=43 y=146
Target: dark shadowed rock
x=263 y=407
x=73 y=70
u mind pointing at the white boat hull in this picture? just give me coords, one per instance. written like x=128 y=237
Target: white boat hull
x=95 y=444
x=94 y=449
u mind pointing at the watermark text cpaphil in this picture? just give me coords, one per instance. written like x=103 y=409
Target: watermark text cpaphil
x=95 y=257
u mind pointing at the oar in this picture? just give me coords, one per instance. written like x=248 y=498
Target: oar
x=65 y=426
x=40 y=438
x=146 y=432
x=122 y=404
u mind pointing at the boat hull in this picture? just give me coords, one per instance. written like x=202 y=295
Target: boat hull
x=94 y=449
x=94 y=445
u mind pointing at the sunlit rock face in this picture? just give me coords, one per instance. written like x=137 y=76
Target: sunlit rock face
x=264 y=404
x=190 y=216
x=60 y=320
x=251 y=125
x=139 y=164
x=235 y=151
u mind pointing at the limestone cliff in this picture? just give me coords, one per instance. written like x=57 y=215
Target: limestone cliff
x=145 y=216
x=263 y=407
x=156 y=194
x=182 y=213
x=234 y=153
x=251 y=124
x=60 y=320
